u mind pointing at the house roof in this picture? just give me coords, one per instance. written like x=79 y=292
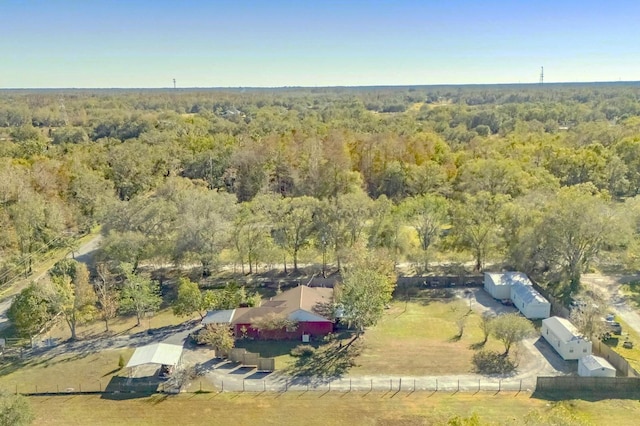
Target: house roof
x=219 y=317
x=296 y=303
x=562 y=328
x=592 y=363
x=509 y=278
x=157 y=353
x=527 y=293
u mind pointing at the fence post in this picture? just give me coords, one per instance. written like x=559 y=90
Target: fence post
x=264 y=385
x=414 y=385
x=371 y=385
x=200 y=385
x=499 y=385
x=16 y=388
x=458 y=385
x=80 y=387
x=243 y=380
x=100 y=385
x=350 y=383
x=222 y=387
x=58 y=388
x=478 y=385
x=520 y=390
x=286 y=385
x=436 y=385
x=400 y=385
x=390 y=384
x=36 y=388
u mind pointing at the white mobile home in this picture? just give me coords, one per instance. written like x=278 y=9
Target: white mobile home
x=498 y=285
x=594 y=366
x=529 y=302
x=565 y=338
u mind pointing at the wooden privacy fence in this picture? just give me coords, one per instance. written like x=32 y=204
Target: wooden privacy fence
x=442 y=281
x=592 y=384
x=247 y=358
x=614 y=358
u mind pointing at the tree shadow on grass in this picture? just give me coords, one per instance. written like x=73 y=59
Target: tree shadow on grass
x=477 y=345
x=327 y=362
x=120 y=388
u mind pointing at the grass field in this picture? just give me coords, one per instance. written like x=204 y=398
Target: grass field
x=90 y=372
x=328 y=409
x=420 y=338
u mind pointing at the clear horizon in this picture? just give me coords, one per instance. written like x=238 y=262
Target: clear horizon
x=144 y=44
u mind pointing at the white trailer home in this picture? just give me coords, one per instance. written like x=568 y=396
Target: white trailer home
x=529 y=302
x=498 y=285
x=565 y=338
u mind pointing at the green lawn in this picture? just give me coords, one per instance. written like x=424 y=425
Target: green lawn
x=58 y=373
x=420 y=338
x=336 y=408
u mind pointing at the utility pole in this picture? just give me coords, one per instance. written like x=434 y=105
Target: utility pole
x=541 y=76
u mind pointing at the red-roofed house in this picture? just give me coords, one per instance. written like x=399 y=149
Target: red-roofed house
x=296 y=304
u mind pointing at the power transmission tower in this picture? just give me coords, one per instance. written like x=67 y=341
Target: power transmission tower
x=541 y=76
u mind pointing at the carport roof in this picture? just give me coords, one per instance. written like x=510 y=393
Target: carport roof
x=157 y=353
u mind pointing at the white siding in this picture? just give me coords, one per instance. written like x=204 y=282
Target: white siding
x=593 y=366
x=563 y=338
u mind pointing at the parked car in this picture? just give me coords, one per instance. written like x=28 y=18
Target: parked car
x=610 y=317
x=614 y=327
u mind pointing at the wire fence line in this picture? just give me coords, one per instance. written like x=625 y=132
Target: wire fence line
x=205 y=385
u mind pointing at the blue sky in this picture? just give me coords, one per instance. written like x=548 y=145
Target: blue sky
x=118 y=43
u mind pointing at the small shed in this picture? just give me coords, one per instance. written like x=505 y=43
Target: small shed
x=157 y=353
x=498 y=285
x=529 y=302
x=594 y=366
x=565 y=338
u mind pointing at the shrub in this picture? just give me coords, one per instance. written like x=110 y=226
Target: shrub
x=491 y=362
x=303 y=351
x=121 y=362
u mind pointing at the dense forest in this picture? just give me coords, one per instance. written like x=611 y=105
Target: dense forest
x=542 y=179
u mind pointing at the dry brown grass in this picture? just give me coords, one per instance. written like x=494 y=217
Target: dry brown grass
x=420 y=338
x=313 y=408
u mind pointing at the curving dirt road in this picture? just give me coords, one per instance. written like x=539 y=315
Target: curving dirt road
x=610 y=285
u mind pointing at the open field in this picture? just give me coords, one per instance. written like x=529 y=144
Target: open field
x=327 y=409
x=88 y=372
x=420 y=338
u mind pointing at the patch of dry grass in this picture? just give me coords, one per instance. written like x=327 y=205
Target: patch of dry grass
x=89 y=372
x=421 y=338
x=313 y=408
